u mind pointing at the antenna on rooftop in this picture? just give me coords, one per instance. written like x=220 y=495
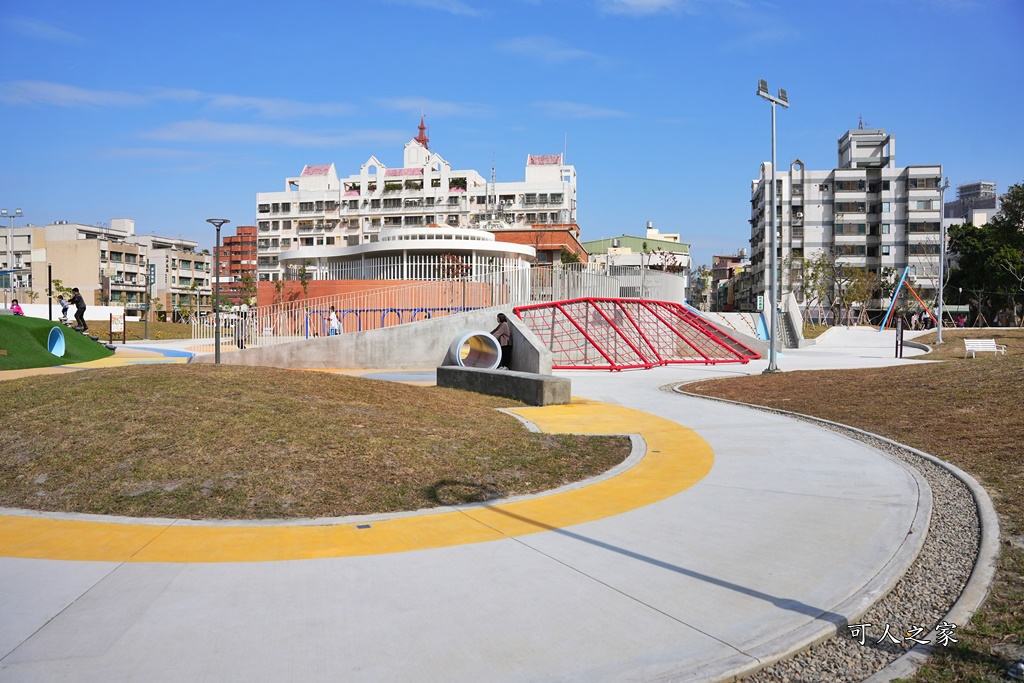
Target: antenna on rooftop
x=493 y=186
x=565 y=146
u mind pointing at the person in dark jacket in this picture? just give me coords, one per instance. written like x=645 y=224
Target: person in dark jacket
x=79 y=303
x=503 y=333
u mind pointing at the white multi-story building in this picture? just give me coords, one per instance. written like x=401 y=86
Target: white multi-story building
x=872 y=213
x=975 y=203
x=319 y=211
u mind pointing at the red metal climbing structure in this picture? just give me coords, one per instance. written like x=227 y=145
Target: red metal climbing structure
x=621 y=334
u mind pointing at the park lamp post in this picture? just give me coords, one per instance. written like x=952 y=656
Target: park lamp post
x=942 y=252
x=4 y=213
x=216 y=222
x=773 y=287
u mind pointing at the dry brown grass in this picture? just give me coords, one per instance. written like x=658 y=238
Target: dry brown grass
x=135 y=331
x=967 y=412
x=205 y=441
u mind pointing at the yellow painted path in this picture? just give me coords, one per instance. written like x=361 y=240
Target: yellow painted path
x=676 y=459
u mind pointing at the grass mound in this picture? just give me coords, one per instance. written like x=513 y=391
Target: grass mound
x=207 y=441
x=24 y=339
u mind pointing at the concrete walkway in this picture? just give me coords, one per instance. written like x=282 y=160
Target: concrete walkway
x=737 y=536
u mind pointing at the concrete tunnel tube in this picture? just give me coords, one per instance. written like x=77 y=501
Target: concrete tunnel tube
x=475 y=350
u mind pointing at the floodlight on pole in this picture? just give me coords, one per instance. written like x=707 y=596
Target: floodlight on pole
x=773 y=289
x=217 y=223
x=942 y=252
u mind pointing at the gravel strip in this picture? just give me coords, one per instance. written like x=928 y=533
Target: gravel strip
x=920 y=599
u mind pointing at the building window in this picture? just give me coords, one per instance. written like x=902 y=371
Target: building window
x=885 y=228
x=885 y=250
x=330 y=241
x=306 y=241
x=886 y=207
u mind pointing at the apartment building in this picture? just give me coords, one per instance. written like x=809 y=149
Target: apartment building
x=731 y=282
x=238 y=263
x=105 y=262
x=112 y=266
x=975 y=203
x=182 y=277
x=654 y=250
x=318 y=210
x=867 y=210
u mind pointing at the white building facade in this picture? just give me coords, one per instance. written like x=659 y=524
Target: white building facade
x=872 y=213
x=318 y=210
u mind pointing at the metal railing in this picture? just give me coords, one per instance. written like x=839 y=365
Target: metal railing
x=403 y=302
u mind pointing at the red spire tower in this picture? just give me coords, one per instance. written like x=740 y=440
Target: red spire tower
x=422 y=137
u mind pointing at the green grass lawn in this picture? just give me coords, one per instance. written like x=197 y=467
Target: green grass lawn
x=24 y=340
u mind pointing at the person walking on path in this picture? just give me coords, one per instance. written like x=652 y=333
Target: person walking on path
x=335 y=324
x=79 y=302
x=503 y=333
x=240 y=332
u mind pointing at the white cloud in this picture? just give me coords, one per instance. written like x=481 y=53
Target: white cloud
x=268 y=107
x=62 y=95
x=544 y=49
x=39 y=30
x=435 y=108
x=576 y=110
x=146 y=153
x=649 y=7
x=639 y=7
x=457 y=7
x=213 y=131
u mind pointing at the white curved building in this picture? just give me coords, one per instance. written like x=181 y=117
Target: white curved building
x=411 y=253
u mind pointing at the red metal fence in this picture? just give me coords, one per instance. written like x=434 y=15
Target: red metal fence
x=621 y=334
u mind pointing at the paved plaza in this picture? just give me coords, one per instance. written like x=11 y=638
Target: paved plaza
x=729 y=536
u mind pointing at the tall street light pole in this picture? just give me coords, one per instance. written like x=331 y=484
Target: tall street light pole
x=773 y=288
x=942 y=254
x=216 y=222
x=10 y=246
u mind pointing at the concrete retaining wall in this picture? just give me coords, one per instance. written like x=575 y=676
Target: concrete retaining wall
x=530 y=388
x=421 y=344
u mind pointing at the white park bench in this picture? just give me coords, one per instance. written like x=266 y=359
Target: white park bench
x=973 y=345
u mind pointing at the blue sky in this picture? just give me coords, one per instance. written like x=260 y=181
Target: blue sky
x=170 y=113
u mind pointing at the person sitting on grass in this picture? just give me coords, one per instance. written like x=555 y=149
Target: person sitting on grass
x=16 y=307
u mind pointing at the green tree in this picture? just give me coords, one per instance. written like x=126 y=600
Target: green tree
x=567 y=256
x=990 y=259
x=248 y=289
x=700 y=283
x=304 y=278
